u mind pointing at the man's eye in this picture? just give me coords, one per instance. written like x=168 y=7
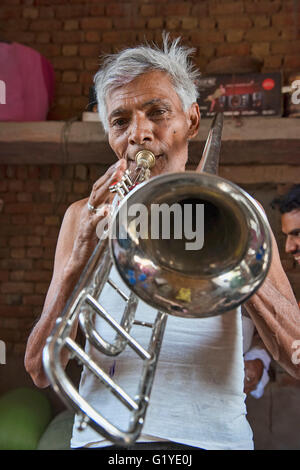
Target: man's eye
x=158 y=112
x=119 y=122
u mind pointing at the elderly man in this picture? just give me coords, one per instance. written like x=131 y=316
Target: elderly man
x=147 y=99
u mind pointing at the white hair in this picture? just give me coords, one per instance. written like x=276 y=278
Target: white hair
x=123 y=67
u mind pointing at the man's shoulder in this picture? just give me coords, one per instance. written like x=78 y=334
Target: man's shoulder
x=75 y=208
x=73 y=213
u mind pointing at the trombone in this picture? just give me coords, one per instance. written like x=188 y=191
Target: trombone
x=230 y=267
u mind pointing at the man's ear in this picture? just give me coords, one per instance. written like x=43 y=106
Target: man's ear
x=194 y=120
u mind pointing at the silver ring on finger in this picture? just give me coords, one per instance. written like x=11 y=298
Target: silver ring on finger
x=91 y=208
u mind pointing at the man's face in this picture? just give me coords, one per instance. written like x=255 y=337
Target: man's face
x=147 y=114
x=290 y=222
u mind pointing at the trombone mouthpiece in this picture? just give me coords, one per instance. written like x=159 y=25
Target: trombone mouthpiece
x=145 y=159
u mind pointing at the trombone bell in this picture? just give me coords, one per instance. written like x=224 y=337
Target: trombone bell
x=230 y=265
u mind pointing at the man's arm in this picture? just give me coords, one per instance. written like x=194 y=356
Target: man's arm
x=76 y=242
x=275 y=313
x=63 y=282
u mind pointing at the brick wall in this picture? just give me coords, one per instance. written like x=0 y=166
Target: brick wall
x=73 y=35
x=34 y=201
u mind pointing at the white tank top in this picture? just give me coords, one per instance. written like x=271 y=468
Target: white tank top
x=197 y=397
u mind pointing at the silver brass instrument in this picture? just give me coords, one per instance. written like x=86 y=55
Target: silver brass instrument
x=230 y=267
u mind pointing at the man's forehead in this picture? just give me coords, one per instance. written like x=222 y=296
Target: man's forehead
x=149 y=88
x=291 y=221
x=143 y=105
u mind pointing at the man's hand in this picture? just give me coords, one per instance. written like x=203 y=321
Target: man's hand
x=100 y=198
x=253 y=373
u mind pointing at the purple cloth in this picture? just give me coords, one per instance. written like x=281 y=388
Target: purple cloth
x=29 y=83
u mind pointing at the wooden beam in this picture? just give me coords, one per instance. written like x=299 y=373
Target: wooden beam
x=267 y=141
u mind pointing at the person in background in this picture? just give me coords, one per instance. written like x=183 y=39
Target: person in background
x=256 y=359
x=289 y=207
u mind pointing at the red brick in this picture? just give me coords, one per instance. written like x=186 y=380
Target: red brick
x=285 y=19
x=262 y=6
x=129 y=22
x=206 y=23
x=71 y=11
x=235 y=35
x=17 y=241
x=285 y=47
x=46 y=12
x=37 y=275
x=35 y=252
x=44 y=208
x=22 y=172
x=234 y=22
x=71 y=25
x=272 y=62
x=157 y=22
x=17 y=276
x=89 y=50
x=80 y=187
x=19 y=219
x=15 y=311
x=10 y=12
x=260 y=49
x=96 y=23
x=264 y=34
x=148 y=10
x=68 y=37
x=8 y=198
x=119 y=37
x=33 y=241
x=12 y=264
x=3 y=185
x=290 y=33
x=45 y=25
x=18 y=253
x=20 y=208
x=35 y=299
x=199 y=37
x=241 y=49
x=199 y=9
x=262 y=21
x=120 y=9
x=4 y=276
x=42 y=38
x=189 y=23
x=175 y=8
x=56 y=172
x=10 y=171
x=93 y=36
x=292 y=62
x=30 y=13
x=15 y=24
x=67 y=63
x=24 y=197
x=96 y=10
x=226 y=8
x=17 y=287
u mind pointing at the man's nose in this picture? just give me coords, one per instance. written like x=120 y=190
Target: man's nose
x=290 y=245
x=140 y=131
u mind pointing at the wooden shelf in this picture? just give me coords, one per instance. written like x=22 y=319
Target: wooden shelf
x=267 y=141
